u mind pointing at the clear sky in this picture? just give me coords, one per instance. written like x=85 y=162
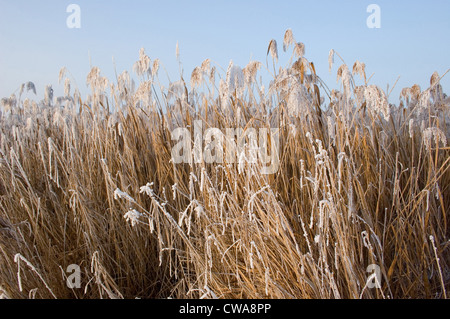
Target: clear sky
x=413 y=41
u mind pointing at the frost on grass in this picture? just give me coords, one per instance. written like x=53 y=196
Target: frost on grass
x=377 y=101
x=352 y=169
x=119 y=194
x=132 y=216
x=434 y=133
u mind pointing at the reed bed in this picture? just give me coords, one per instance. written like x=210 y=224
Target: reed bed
x=91 y=181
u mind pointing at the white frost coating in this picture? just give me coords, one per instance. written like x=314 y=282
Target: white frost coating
x=132 y=216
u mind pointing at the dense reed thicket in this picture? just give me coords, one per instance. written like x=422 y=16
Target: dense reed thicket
x=92 y=181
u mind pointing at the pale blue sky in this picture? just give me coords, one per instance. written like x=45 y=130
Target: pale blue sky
x=413 y=41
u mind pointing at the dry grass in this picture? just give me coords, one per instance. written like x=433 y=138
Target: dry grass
x=360 y=182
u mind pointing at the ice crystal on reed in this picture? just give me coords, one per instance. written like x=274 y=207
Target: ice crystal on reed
x=132 y=216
